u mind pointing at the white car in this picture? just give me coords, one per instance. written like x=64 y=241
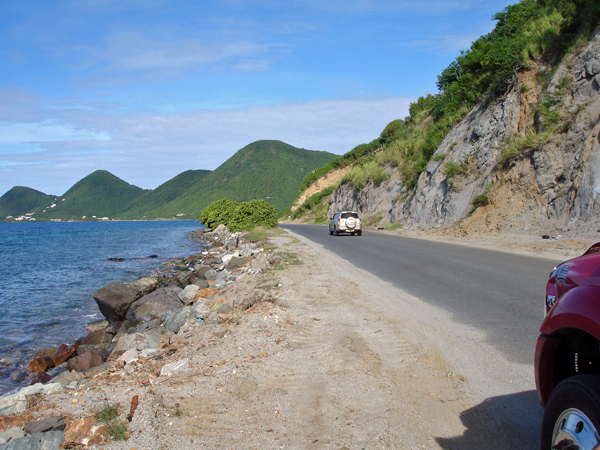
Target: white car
x=345 y=222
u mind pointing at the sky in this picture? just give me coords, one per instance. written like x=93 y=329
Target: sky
x=147 y=89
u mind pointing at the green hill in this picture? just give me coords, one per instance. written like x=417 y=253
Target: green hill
x=100 y=194
x=269 y=170
x=22 y=200
x=165 y=193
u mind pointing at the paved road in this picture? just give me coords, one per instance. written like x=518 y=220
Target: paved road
x=497 y=292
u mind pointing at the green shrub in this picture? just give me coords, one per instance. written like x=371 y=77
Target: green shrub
x=217 y=213
x=450 y=169
x=239 y=216
x=251 y=214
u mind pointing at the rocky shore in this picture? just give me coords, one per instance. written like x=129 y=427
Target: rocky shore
x=139 y=340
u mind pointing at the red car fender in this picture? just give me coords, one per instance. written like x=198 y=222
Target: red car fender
x=580 y=306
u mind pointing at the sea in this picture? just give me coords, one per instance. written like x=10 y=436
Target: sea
x=49 y=272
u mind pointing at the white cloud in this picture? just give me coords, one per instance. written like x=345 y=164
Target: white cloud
x=147 y=150
x=46 y=131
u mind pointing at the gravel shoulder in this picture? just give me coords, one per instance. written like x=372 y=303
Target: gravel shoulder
x=333 y=359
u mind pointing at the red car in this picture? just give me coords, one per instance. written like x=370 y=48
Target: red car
x=567 y=355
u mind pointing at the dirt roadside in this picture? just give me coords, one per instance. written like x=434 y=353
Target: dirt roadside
x=337 y=359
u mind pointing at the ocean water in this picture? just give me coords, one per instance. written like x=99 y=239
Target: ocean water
x=49 y=271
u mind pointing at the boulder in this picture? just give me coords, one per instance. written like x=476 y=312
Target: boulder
x=101 y=336
x=139 y=341
x=40 y=377
x=202 y=284
x=84 y=432
x=237 y=262
x=85 y=361
x=51 y=440
x=62 y=353
x=205 y=293
x=188 y=294
x=145 y=285
x=157 y=303
x=44 y=425
x=41 y=364
x=11 y=435
x=200 y=269
x=210 y=274
x=115 y=299
x=221 y=228
x=17 y=403
x=174 y=321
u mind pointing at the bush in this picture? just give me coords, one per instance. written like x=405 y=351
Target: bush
x=217 y=213
x=239 y=216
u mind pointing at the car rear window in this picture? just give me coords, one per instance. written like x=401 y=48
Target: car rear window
x=346 y=215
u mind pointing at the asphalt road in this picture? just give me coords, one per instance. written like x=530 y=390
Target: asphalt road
x=500 y=293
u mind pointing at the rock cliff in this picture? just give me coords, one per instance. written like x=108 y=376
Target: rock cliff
x=530 y=160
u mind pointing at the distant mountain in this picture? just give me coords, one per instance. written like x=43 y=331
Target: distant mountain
x=268 y=170
x=21 y=200
x=100 y=194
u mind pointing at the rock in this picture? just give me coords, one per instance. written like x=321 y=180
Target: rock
x=238 y=262
x=156 y=303
x=41 y=364
x=8 y=422
x=145 y=285
x=210 y=274
x=201 y=310
x=201 y=283
x=174 y=321
x=188 y=294
x=85 y=431
x=97 y=325
x=11 y=434
x=147 y=323
x=175 y=368
x=139 y=341
x=129 y=356
x=115 y=299
x=85 y=361
x=51 y=440
x=40 y=377
x=44 y=425
x=67 y=378
x=149 y=352
x=205 y=293
x=17 y=403
x=200 y=269
x=62 y=353
x=221 y=228
x=102 y=336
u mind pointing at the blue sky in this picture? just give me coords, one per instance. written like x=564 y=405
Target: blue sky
x=149 y=88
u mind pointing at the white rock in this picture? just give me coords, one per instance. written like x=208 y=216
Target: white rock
x=175 y=368
x=129 y=356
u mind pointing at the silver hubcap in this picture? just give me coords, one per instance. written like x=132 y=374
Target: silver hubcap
x=574 y=427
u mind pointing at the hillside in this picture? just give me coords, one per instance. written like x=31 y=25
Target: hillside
x=268 y=170
x=21 y=200
x=167 y=192
x=100 y=194
x=508 y=145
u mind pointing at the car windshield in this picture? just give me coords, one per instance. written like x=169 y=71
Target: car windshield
x=347 y=215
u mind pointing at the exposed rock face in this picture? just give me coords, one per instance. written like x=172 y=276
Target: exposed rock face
x=549 y=186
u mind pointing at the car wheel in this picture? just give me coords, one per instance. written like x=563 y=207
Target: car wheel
x=359 y=233
x=572 y=416
x=330 y=232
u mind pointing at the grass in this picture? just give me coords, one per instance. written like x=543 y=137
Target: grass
x=394 y=226
x=518 y=145
x=116 y=428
